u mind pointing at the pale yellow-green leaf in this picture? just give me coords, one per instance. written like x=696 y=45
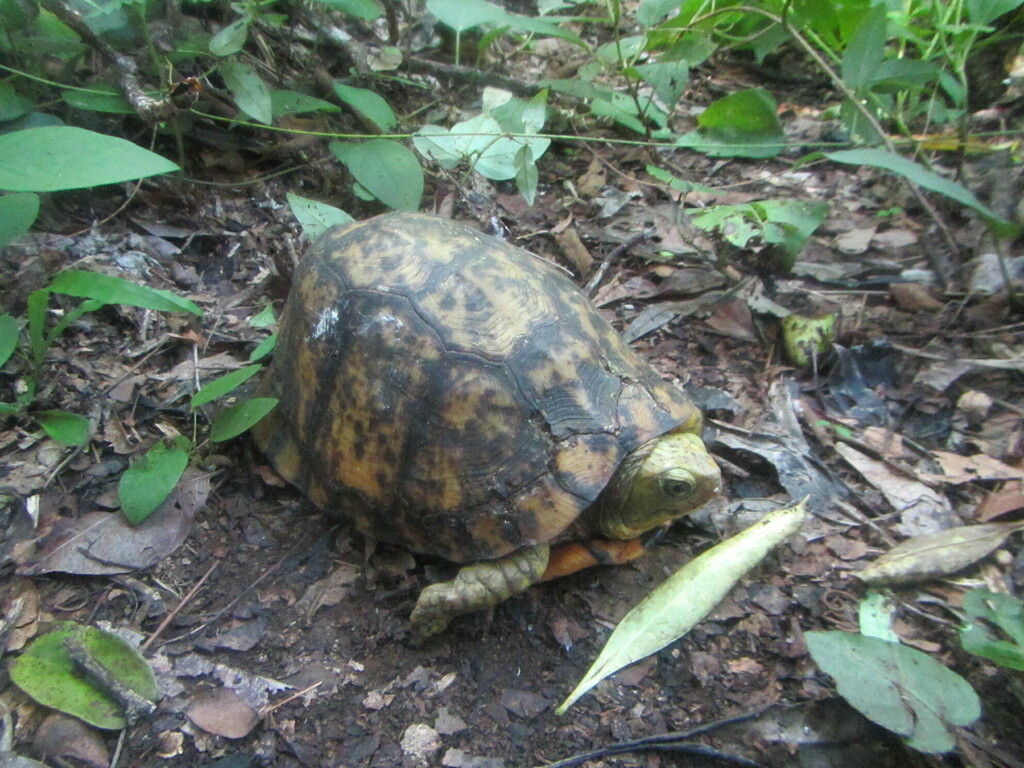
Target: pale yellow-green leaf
x=690 y=594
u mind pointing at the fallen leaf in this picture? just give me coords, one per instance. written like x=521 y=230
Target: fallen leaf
x=104 y=543
x=223 y=713
x=687 y=596
x=65 y=740
x=419 y=741
x=936 y=554
x=957 y=469
x=1007 y=499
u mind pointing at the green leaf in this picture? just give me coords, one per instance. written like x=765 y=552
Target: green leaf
x=264 y=348
x=370 y=106
x=46 y=672
x=250 y=92
x=220 y=387
x=387 y=169
x=10 y=332
x=67 y=428
x=651 y=12
x=265 y=318
x=295 y=103
x=102 y=98
x=315 y=217
x=875 y=615
x=986 y=611
x=742 y=124
x=526 y=174
x=984 y=11
x=17 y=212
x=900 y=688
x=116 y=290
x=367 y=10
x=35 y=311
x=12 y=106
x=795 y=221
x=690 y=594
x=63 y=157
x=461 y=15
x=148 y=481
x=669 y=79
x=239 y=417
x=866 y=49
x=879 y=158
x=231 y=38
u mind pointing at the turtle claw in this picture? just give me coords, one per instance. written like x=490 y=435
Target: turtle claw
x=477 y=586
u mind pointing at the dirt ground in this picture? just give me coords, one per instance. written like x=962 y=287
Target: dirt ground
x=295 y=649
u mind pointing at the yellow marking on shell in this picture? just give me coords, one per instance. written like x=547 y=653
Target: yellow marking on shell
x=287 y=460
x=546 y=510
x=472 y=441
x=652 y=414
x=376 y=395
x=589 y=464
x=485 y=308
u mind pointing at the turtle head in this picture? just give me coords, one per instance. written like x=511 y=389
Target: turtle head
x=665 y=478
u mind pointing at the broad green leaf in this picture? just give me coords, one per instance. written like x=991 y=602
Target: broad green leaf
x=385 y=168
x=669 y=79
x=581 y=89
x=315 y=217
x=220 y=387
x=12 y=105
x=17 y=212
x=295 y=103
x=461 y=15
x=743 y=124
x=651 y=12
x=370 y=106
x=264 y=348
x=102 y=98
x=116 y=290
x=795 y=221
x=866 y=49
x=984 y=11
x=980 y=638
x=239 y=417
x=690 y=594
x=526 y=174
x=231 y=38
x=880 y=158
x=903 y=74
x=250 y=92
x=67 y=428
x=149 y=480
x=265 y=318
x=46 y=672
x=63 y=157
x=367 y=10
x=900 y=688
x=10 y=331
x=621 y=109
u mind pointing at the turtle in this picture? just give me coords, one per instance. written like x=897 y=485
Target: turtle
x=461 y=397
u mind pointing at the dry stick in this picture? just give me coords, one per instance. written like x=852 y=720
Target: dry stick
x=149 y=109
x=184 y=601
x=611 y=256
x=134 y=705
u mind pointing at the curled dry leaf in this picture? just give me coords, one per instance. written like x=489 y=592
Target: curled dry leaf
x=937 y=554
x=690 y=594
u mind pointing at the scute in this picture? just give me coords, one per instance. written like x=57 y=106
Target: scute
x=450 y=392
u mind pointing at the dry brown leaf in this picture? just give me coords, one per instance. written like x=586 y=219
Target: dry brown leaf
x=937 y=554
x=223 y=713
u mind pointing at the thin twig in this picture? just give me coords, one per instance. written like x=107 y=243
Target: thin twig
x=611 y=256
x=184 y=601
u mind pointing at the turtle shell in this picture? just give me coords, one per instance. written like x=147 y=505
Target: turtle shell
x=450 y=392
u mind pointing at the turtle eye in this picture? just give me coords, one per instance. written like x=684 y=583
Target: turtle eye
x=677 y=484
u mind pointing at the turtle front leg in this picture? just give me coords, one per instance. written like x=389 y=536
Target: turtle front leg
x=477 y=586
